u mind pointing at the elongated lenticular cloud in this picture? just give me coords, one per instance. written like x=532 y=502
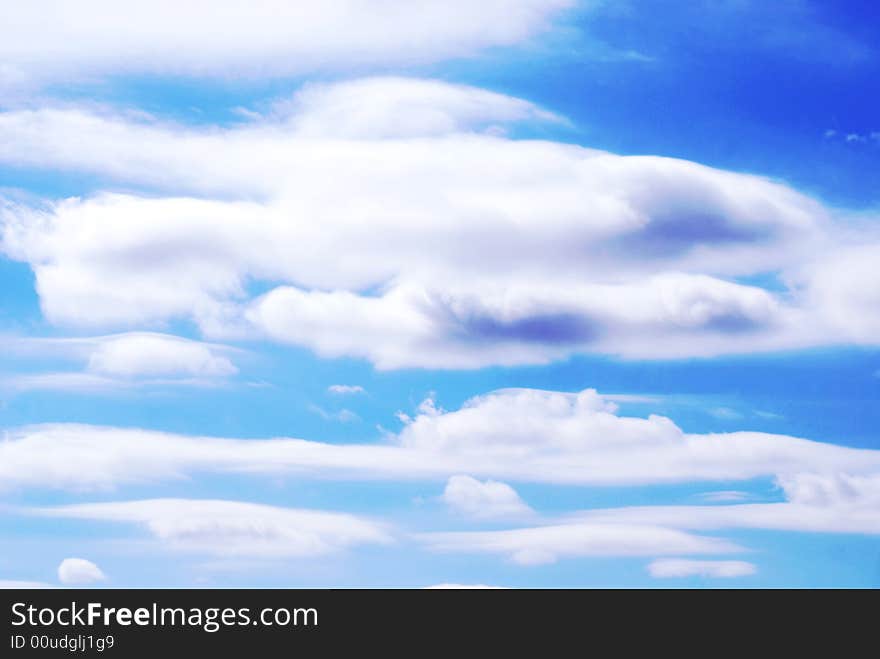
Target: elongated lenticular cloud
x=43 y=40
x=671 y=568
x=120 y=361
x=230 y=528
x=509 y=435
x=547 y=544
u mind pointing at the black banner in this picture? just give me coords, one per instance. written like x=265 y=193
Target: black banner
x=132 y=623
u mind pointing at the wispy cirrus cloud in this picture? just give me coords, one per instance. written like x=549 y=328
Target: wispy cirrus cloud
x=345 y=389
x=676 y=568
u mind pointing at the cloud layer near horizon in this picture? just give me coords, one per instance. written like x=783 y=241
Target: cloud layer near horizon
x=522 y=435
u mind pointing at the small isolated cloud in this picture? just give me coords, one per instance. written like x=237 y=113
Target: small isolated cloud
x=671 y=568
x=483 y=499
x=79 y=571
x=346 y=389
x=853 y=137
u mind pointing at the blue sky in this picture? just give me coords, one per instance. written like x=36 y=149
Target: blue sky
x=533 y=294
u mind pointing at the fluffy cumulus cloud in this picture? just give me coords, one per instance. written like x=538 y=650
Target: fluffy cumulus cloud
x=637 y=256
x=122 y=360
x=483 y=499
x=79 y=572
x=510 y=435
x=232 y=529
x=670 y=568
x=45 y=40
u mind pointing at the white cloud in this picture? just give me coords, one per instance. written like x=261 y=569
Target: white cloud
x=459 y=586
x=44 y=40
x=510 y=435
x=635 y=256
x=153 y=355
x=122 y=360
x=725 y=496
x=725 y=413
x=669 y=568
x=272 y=153
x=78 y=382
x=817 y=503
x=547 y=544
x=343 y=416
x=386 y=107
x=823 y=489
x=345 y=389
x=11 y=584
x=670 y=315
x=232 y=528
x=843 y=284
x=824 y=502
x=79 y=571
x=483 y=499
